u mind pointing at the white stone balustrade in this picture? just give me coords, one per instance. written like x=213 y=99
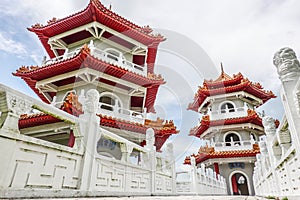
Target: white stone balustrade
x=233 y=145
x=228 y=113
x=201 y=181
x=276 y=173
x=34 y=167
x=121 y=113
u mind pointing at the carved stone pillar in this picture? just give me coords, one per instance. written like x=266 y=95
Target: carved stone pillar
x=151 y=156
x=90 y=127
x=193 y=176
x=11 y=109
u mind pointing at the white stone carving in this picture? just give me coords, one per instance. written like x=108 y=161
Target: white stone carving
x=287 y=64
x=150 y=138
x=91 y=101
x=269 y=125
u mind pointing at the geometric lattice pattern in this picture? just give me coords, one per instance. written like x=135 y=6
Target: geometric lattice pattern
x=44 y=168
x=120 y=177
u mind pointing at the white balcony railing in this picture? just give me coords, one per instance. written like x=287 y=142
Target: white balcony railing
x=118 y=60
x=115 y=58
x=233 y=145
x=60 y=58
x=228 y=113
x=121 y=113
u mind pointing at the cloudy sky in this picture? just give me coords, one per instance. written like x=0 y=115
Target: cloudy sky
x=243 y=35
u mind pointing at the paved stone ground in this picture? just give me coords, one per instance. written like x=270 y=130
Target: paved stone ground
x=172 y=198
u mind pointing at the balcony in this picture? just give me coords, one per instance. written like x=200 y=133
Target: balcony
x=228 y=113
x=233 y=145
x=110 y=55
x=121 y=113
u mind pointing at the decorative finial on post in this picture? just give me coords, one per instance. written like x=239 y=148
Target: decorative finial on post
x=287 y=64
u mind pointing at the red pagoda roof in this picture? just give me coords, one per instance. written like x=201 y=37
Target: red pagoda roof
x=206 y=122
x=95 y=11
x=84 y=60
x=226 y=84
x=37 y=119
x=163 y=129
x=206 y=153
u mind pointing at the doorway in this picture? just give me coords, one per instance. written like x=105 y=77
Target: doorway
x=239 y=184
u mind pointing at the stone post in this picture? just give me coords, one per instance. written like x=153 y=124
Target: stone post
x=193 y=176
x=150 y=141
x=171 y=167
x=90 y=128
x=288 y=68
x=270 y=130
x=11 y=107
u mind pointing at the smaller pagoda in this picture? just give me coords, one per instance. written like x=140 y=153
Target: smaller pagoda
x=232 y=127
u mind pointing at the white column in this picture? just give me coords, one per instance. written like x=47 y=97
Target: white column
x=90 y=128
x=150 y=141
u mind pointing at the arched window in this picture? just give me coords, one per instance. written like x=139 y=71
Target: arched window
x=227 y=107
x=109 y=101
x=114 y=54
x=252 y=135
x=232 y=139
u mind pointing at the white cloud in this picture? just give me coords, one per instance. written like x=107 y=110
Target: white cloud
x=9 y=45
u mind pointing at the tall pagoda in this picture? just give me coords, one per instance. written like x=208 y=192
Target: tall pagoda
x=232 y=126
x=97 y=49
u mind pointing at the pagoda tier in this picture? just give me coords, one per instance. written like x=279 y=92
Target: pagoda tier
x=251 y=120
x=101 y=23
x=83 y=66
x=162 y=129
x=227 y=85
x=209 y=153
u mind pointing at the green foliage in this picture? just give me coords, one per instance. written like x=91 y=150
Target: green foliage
x=285 y=198
x=270 y=197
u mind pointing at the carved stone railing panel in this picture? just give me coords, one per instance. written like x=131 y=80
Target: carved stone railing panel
x=200 y=181
x=41 y=165
x=115 y=176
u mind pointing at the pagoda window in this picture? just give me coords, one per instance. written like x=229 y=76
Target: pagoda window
x=109 y=101
x=114 y=54
x=227 y=107
x=253 y=136
x=232 y=139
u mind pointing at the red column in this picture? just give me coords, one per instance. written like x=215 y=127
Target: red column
x=71 y=139
x=235 y=189
x=216 y=166
x=151 y=56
